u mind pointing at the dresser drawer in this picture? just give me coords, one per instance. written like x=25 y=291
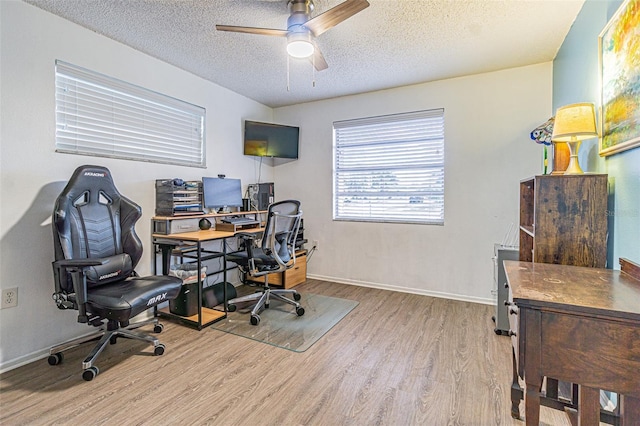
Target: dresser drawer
x=297 y=274
x=289 y=278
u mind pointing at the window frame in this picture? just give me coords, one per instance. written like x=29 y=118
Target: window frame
x=406 y=149
x=98 y=115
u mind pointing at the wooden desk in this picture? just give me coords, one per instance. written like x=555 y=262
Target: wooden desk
x=167 y=243
x=579 y=325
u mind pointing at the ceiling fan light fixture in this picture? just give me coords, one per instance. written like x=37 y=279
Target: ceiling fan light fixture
x=299 y=45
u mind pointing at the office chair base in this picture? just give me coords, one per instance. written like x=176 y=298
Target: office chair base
x=263 y=298
x=106 y=336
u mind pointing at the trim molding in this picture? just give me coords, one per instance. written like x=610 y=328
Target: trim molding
x=44 y=353
x=442 y=295
x=24 y=360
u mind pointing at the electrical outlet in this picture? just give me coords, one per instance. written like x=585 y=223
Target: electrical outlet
x=315 y=244
x=9 y=297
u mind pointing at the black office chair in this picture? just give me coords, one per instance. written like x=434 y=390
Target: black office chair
x=96 y=251
x=276 y=253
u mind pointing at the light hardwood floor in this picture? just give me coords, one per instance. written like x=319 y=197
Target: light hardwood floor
x=396 y=359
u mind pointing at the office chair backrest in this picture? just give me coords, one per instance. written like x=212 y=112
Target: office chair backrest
x=91 y=220
x=281 y=229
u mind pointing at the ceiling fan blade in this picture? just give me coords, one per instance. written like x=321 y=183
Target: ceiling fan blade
x=317 y=59
x=335 y=15
x=252 y=30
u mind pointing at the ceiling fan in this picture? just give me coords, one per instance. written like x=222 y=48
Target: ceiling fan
x=302 y=29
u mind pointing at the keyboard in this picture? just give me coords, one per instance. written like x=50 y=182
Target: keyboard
x=237 y=220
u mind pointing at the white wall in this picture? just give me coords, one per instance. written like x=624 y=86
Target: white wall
x=488 y=118
x=32 y=174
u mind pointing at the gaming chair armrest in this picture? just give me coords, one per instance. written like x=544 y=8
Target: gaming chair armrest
x=167 y=242
x=249 y=239
x=166 y=247
x=76 y=268
x=77 y=263
x=247 y=235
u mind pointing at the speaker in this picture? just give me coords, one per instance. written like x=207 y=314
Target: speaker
x=261 y=195
x=204 y=224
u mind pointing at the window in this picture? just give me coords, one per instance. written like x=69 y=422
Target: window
x=390 y=168
x=102 y=116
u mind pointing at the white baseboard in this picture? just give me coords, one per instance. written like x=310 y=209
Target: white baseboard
x=24 y=360
x=440 y=294
x=44 y=353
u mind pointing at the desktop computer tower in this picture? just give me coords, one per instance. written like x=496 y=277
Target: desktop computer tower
x=261 y=195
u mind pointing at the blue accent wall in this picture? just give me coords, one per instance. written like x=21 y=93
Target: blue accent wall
x=576 y=79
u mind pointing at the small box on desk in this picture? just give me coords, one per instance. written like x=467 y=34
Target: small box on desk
x=235 y=227
x=175 y=225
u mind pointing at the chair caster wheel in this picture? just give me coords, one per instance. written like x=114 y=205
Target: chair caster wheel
x=296 y=296
x=158 y=328
x=300 y=311
x=255 y=319
x=113 y=340
x=231 y=307
x=55 y=359
x=158 y=350
x=90 y=373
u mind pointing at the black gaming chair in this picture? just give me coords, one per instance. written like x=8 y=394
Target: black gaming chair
x=96 y=251
x=276 y=253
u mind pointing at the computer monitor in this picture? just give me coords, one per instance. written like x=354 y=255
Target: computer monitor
x=221 y=193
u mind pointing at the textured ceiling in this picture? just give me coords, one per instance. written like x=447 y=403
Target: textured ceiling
x=391 y=43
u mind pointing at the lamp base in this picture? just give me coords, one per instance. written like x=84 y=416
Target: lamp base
x=574 y=167
x=561 y=155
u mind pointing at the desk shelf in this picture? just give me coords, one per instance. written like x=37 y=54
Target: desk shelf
x=192 y=242
x=184 y=223
x=208 y=316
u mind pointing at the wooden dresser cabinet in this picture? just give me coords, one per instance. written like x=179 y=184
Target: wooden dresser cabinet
x=563 y=219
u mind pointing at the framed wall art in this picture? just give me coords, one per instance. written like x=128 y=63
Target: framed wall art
x=619 y=51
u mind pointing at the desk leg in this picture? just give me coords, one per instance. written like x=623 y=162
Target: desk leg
x=532 y=365
x=516 y=390
x=532 y=399
x=588 y=406
x=629 y=411
x=552 y=388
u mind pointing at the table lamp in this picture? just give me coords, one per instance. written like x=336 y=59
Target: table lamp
x=574 y=123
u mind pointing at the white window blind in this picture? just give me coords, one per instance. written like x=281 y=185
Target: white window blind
x=102 y=116
x=390 y=168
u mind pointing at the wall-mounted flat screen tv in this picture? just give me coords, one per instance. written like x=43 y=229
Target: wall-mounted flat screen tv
x=270 y=140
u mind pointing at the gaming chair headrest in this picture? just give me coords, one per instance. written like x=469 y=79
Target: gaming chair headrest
x=94 y=179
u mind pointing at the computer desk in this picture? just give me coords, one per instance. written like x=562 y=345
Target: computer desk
x=579 y=325
x=168 y=243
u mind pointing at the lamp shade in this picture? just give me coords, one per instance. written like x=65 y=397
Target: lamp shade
x=575 y=122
